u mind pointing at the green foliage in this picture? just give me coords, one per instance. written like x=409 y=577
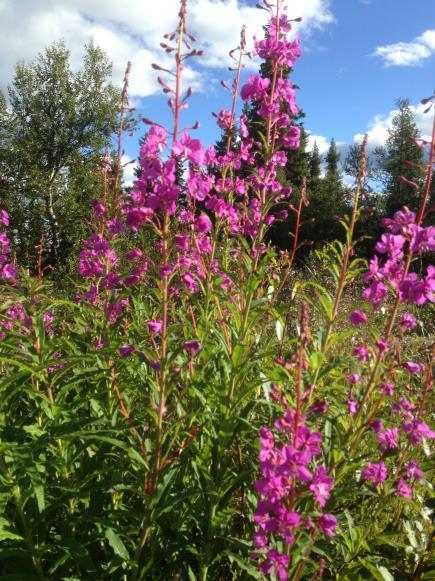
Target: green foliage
x=52 y=137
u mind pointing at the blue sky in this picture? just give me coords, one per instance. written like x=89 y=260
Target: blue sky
x=359 y=55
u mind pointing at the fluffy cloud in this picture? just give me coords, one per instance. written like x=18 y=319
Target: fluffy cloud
x=408 y=53
x=378 y=128
x=132 y=30
x=320 y=140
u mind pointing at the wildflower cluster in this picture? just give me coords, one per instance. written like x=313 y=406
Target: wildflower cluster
x=289 y=468
x=8 y=272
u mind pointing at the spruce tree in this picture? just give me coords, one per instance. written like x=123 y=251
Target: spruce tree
x=393 y=161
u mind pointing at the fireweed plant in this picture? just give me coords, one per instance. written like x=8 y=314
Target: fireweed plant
x=196 y=410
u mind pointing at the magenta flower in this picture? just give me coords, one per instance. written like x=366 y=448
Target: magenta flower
x=4 y=218
x=155 y=325
x=202 y=224
x=389 y=438
x=383 y=346
x=255 y=88
x=292 y=139
x=134 y=254
x=193 y=347
x=417 y=430
x=99 y=207
x=126 y=350
x=413 y=471
x=413 y=367
x=327 y=524
x=404 y=489
x=391 y=244
x=358 y=318
x=408 y=321
x=190 y=282
x=387 y=388
x=352 y=406
x=375 y=293
x=321 y=485
x=362 y=353
x=278 y=563
x=354 y=378
x=189 y=148
x=375 y=472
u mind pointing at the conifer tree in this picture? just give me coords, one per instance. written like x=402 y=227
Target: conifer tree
x=400 y=156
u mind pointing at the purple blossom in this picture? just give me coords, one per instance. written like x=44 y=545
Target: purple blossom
x=255 y=88
x=4 y=218
x=126 y=350
x=413 y=471
x=354 y=378
x=413 y=367
x=358 y=318
x=375 y=294
x=189 y=148
x=277 y=563
x=404 y=489
x=155 y=325
x=362 y=353
x=391 y=244
x=417 y=430
x=389 y=439
x=202 y=224
x=327 y=524
x=321 y=485
x=193 y=347
x=408 y=321
x=386 y=388
x=375 y=472
x=352 y=406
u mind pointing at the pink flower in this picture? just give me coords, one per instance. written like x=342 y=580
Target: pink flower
x=134 y=254
x=404 y=489
x=327 y=524
x=391 y=244
x=413 y=367
x=362 y=353
x=278 y=562
x=193 y=347
x=408 y=321
x=189 y=148
x=358 y=318
x=417 y=430
x=190 y=282
x=413 y=471
x=387 y=388
x=383 y=346
x=389 y=438
x=4 y=218
x=375 y=472
x=255 y=88
x=352 y=406
x=375 y=293
x=292 y=138
x=155 y=325
x=321 y=485
x=203 y=224
x=354 y=378
x=126 y=350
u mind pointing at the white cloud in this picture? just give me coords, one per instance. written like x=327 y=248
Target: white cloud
x=408 y=53
x=321 y=141
x=128 y=165
x=378 y=128
x=132 y=30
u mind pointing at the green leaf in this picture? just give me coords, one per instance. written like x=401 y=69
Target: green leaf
x=116 y=543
